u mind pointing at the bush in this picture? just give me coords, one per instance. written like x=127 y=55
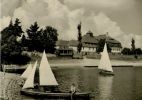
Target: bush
x=126 y=51
x=17 y=59
x=11 y=49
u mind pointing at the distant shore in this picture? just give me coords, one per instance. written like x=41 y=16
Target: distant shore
x=37 y=55
x=87 y=61
x=68 y=63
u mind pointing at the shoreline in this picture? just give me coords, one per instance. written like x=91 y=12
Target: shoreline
x=9 y=81
x=38 y=55
x=69 y=63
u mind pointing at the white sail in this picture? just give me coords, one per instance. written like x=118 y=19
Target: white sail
x=27 y=72
x=30 y=80
x=105 y=63
x=46 y=76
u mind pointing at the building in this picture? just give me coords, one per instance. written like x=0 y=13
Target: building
x=62 y=48
x=89 y=44
x=73 y=44
x=115 y=45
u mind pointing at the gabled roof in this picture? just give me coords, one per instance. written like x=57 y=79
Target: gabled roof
x=108 y=38
x=73 y=43
x=62 y=43
x=89 y=39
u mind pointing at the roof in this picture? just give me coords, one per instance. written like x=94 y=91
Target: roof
x=89 y=45
x=89 y=39
x=73 y=43
x=108 y=38
x=62 y=43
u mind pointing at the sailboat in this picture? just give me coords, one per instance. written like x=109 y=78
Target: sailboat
x=105 y=64
x=46 y=80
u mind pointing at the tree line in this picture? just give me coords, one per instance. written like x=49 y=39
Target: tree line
x=133 y=50
x=37 y=39
x=40 y=39
x=129 y=51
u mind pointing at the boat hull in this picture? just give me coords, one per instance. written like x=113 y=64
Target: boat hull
x=56 y=96
x=106 y=73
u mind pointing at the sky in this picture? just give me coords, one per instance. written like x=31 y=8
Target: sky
x=121 y=18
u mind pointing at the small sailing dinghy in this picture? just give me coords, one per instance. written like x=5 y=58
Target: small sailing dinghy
x=105 y=64
x=47 y=81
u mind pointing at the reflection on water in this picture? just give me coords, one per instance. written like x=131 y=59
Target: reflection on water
x=105 y=84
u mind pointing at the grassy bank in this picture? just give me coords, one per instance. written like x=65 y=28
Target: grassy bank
x=37 y=56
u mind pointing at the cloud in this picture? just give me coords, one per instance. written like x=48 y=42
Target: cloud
x=138 y=41
x=115 y=4
x=50 y=12
x=65 y=20
x=126 y=40
x=105 y=24
x=8 y=7
x=4 y=22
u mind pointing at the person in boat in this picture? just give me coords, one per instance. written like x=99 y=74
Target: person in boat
x=73 y=89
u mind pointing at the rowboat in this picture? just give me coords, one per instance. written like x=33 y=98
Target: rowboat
x=55 y=95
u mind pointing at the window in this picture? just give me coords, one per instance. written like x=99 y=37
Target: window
x=65 y=51
x=61 y=51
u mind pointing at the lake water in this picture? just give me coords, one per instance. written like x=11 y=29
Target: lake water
x=125 y=85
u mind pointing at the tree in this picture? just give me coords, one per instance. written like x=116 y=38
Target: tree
x=10 y=48
x=24 y=42
x=34 y=37
x=133 y=46
x=126 y=51
x=17 y=30
x=79 y=47
x=138 y=51
x=49 y=38
x=42 y=39
x=100 y=46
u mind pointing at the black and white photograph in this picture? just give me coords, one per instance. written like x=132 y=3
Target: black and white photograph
x=71 y=50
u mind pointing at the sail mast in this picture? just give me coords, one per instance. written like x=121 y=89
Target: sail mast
x=30 y=80
x=46 y=76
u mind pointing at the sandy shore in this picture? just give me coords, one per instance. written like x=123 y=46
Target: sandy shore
x=10 y=86
x=84 y=62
